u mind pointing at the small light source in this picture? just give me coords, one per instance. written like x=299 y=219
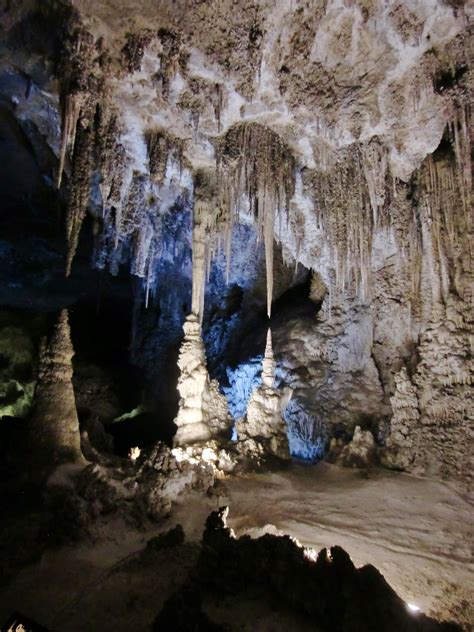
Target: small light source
x=412 y=607
x=133 y=454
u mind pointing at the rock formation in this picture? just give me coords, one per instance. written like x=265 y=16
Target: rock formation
x=263 y=431
x=54 y=436
x=203 y=412
x=301 y=123
x=399 y=452
x=303 y=588
x=361 y=451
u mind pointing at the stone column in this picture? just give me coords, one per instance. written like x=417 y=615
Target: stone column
x=54 y=435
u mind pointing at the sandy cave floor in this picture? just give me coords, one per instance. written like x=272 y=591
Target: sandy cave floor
x=417 y=532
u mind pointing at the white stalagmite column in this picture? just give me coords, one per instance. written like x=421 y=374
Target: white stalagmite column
x=269 y=365
x=264 y=423
x=203 y=413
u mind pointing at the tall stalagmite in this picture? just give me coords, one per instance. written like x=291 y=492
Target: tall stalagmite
x=203 y=412
x=264 y=424
x=54 y=427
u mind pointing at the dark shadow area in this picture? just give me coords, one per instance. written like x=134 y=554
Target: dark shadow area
x=284 y=588
x=251 y=335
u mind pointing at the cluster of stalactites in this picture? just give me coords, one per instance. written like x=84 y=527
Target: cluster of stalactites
x=210 y=221
x=133 y=209
x=350 y=198
x=79 y=83
x=253 y=162
x=162 y=147
x=445 y=186
x=429 y=219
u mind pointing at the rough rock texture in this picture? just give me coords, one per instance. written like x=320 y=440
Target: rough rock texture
x=135 y=492
x=406 y=415
x=17 y=364
x=54 y=427
x=263 y=431
x=304 y=589
x=203 y=412
x=357 y=113
x=361 y=451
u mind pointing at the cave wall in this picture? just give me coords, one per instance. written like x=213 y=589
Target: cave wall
x=353 y=118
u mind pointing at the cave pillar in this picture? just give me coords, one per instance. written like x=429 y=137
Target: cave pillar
x=54 y=435
x=203 y=414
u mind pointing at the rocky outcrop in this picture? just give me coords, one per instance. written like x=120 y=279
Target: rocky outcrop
x=431 y=414
x=361 y=451
x=134 y=491
x=54 y=427
x=203 y=412
x=322 y=591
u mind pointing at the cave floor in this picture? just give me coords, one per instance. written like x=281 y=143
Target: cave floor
x=417 y=532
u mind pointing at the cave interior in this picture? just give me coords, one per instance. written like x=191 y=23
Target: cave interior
x=236 y=315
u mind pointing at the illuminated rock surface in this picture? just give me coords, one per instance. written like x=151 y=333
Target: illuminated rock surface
x=183 y=177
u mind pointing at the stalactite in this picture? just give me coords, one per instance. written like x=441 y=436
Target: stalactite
x=76 y=73
x=172 y=59
x=70 y=109
x=210 y=217
x=349 y=199
x=254 y=162
x=134 y=49
x=82 y=165
x=161 y=147
x=218 y=101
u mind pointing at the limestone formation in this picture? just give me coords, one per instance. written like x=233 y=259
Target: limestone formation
x=301 y=586
x=299 y=122
x=54 y=427
x=203 y=412
x=263 y=431
x=361 y=451
x=399 y=451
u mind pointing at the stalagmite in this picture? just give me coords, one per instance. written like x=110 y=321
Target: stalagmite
x=269 y=365
x=54 y=426
x=399 y=453
x=203 y=412
x=263 y=430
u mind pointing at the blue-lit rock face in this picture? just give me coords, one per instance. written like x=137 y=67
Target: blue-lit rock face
x=306 y=435
x=242 y=381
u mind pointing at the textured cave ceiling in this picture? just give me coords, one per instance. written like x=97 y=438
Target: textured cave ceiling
x=337 y=133
x=289 y=183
